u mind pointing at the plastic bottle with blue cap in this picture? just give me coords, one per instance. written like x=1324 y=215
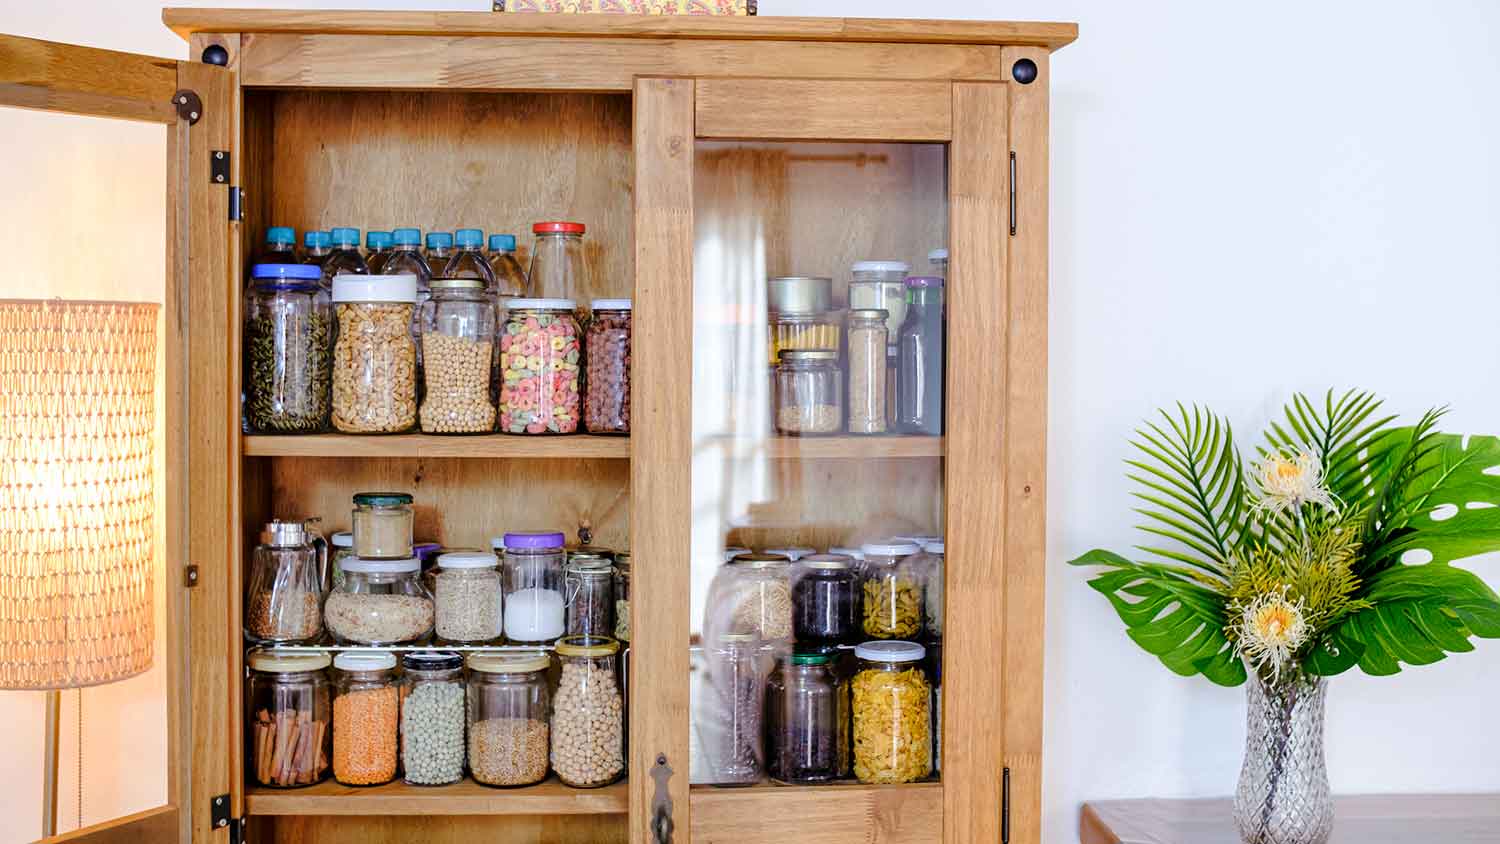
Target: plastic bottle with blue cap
x=280 y=246
x=510 y=279
x=377 y=250
x=316 y=247
x=406 y=258
x=345 y=258
x=439 y=252
x=468 y=260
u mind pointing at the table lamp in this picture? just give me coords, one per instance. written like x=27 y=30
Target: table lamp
x=77 y=500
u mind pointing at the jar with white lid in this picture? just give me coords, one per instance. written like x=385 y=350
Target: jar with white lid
x=467 y=596
x=375 y=355
x=432 y=718
x=752 y=594
x=343 y=548
x=932 y=587
x=534 y=589
x=793 y=552
x=288 y=718
x=892 y=713
x=382 y=602
x=509 y=710
x=382 y=525
x=606 y=408
x=458 y=349
x=541 y=360
x=366 y=717
x=880 y=285
x=891 y=593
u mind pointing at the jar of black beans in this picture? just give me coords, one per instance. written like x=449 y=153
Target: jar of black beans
x=807 y=720
x=824 y=604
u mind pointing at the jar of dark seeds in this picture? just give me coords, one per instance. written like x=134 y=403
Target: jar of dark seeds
x=807 y=720
x=589 y=582
x=606 y=408
x=824 y=608
x=288 y=350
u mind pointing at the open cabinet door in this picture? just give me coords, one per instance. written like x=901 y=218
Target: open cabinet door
x=193 y=102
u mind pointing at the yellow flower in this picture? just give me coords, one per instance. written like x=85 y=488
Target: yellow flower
x=1285 y=480
x=1271 y=630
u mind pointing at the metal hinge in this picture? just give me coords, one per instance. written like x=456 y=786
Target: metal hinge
x=1012 y=193
x=218 y=166
x=190 y=576
x=236 y=205
x=661 y=803
x=189 y=105
x=1005 y=800
x=218 y=814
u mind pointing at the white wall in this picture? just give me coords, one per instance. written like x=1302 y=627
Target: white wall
x=1246 y=201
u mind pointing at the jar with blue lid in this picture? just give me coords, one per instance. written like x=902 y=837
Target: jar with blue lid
x=288 y=337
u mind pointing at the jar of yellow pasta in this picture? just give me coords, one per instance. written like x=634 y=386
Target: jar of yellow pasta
x=892 y=703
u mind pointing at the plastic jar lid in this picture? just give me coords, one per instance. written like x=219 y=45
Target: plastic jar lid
x=587 y=646
x=290 y=272
x=432 y=661
x=557 y=227
x=541 y=304
x=277 y=662
x=889 y=549
x=826 y=561
x=869 y=313
x=457 y=284
x=365 y=661
x=497 y=543
x=807 y=354
x=937 y=255
x=881 y=267
x=924 y=281
x=893 y=651
x=622 y=561
x=811 y=658
x=342 y=539
x=918 y=538
x=610 y=305
x=468 y=560
x=382 y=499
x=848 y=552
x=508 y=663
x=761 y=561
x=933 y=547
x=534 y=539
x=401 y=287
x=362 y=566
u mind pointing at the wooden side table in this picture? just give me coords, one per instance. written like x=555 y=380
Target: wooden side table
x=1370 y=819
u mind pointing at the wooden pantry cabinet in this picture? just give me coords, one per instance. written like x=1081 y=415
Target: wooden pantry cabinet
x=705 y=155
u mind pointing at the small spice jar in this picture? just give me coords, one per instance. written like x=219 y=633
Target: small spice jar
x=758 y=596
x=891 y=591
x=366 y=708
x=540 y=363
x=892 y=713
x=467 y=596
x=590 y=583
x=588 y=723
x=807 y=720
x=382 y=602
x=287 y=724
x=824 y=604
x=809 y=394
x=432 y=718
x=343 y=549
x=867 y=371
x=622 y=596
x=285 y=595
x=606 y=409
x=508 y=718
x=738 y=682
x=458 y=348
x=534 y=588
x=288 y=350
x=382 y=523
x=375 y=356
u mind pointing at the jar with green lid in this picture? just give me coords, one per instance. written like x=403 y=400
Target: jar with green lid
x=509 y=708
x=467 y=597
x=588 y=713
x=288 y=717
x=366 y=707
x=622 y=596
x=892 y=703
x=809 y=395
x=382 y=525
x=432 y=718
x=892 y=591
x=807 y=720
x=590 y=583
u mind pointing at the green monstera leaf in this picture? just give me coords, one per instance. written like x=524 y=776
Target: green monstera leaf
x=1451 y=505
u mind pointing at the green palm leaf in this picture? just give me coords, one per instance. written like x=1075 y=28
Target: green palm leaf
x=1339 y=434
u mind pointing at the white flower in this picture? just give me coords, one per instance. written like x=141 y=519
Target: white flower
x=1271 y=630
x=1284 y=480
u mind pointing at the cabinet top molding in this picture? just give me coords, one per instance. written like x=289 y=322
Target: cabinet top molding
x=186 y=22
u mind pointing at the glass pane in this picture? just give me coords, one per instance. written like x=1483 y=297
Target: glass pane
x=800 y=449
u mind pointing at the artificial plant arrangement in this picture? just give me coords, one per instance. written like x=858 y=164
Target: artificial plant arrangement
x=1332 y=546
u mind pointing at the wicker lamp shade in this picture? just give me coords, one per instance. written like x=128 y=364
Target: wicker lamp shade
x=77 y=506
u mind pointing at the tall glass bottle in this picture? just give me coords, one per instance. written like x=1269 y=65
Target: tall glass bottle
x=919 y=394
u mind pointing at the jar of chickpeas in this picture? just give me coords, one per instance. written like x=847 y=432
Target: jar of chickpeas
x=458 y=349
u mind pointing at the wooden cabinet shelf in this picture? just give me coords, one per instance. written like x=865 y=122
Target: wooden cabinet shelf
x=825 y=814
x=573 y=447
x=464 y=798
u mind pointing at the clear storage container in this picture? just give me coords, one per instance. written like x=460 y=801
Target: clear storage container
x=366 y=716
x=558 y=268
x=382 y=525
x=920 y=381
x=288 y=351
x=753 y=595
x=738 y=680
x=469 y=261
x=803 y=333
x=509 y=710
x=283 y=603
x=540 y=365
x=343 y=549
x=880 y=285
x=892 y=713
x=375 y=357
x=432 y=718
x=825 y=606
x=588 y=713
x=458 y=349
x=891 y=592
x=867 y=347
x=809 y=394
x=467 y=594
x=590 y=588
x=622 y=596
x=288 y=718
x=807 y=720
x=534 y=588
x=607 y=376
x=382 y=602
x=938 y=260
x=932 y=587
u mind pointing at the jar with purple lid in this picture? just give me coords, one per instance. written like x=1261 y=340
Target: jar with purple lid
x=534 y=587
x=919 y=392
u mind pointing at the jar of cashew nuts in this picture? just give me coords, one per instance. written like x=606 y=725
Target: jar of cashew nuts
x=375 y=357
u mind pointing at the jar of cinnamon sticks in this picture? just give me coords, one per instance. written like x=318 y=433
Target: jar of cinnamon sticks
x=288 y=725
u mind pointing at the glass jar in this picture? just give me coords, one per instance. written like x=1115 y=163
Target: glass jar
x=867 y=371
x=382 y=602
x=606 y=409
x=809 y=395
x=934 y=666
x=739 y=684
x=807 y=720
x=590 y=588
x=382 y=525
x=534 y=589
x=891 y=593
x=467 y=595
x=284 y=599
x=622 y=596
x=588 y=723
x=932 y=588
x=288 y=350
x=880 y=285
x=938 y=260
x=375 y=357
x=557 y=264
x=793 y=552
x=509 y=707
x=343 y=549
x=824 y=607
x=539 y=368
x=756 y=597
x=287 y=718
x=892 y=713
x=920 y=390
x=366 y=715
x=803 y=333
x=432 y=718
x=458 y=349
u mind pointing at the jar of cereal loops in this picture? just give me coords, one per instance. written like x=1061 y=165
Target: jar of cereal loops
x=892 y=713
x=892 y=591
x=374 y=358
x=607 y=381
x=588 y=723
x=458 y=342
x=366 y=706
x=540 y=360
x=508 y=712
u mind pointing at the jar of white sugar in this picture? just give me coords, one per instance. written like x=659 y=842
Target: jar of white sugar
x=534 y=588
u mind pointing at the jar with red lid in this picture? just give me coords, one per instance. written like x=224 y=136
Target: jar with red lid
x=557 y=269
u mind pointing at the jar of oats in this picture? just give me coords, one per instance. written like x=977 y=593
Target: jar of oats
x=588 y=713
x=508 y=711
x=375 y=357
x=467 y=597
x=458 y=347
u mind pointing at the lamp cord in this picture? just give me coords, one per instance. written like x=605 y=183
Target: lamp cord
x=80 y=758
